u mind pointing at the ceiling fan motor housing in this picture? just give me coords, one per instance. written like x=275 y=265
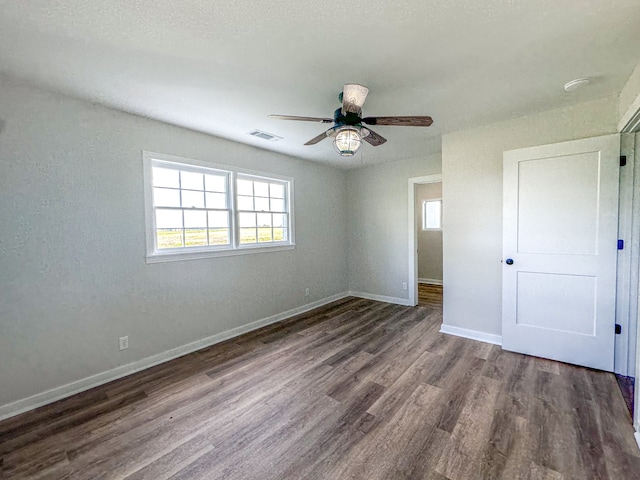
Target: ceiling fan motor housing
x=350 y=118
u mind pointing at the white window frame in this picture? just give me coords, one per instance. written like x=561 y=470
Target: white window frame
x=155 y=255
x=424 y=215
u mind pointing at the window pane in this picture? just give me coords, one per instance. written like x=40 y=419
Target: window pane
x=247 y=220
x=218 y=219
x=169 y=238
x=218 y=236
x=264 y=220
x=279 y=220
x=192 y=199
x=195 y=237
x=277 y=205
x=215 y=183
x=245 y=203
x=165 y=177
x=277 y=190
x=191 y=180
x=245 y=187
x=247 y=235
x=166 y=197
x=195 y=219
x=262 y=204
x=279 y=234
x=433 y=211
x=264 y=235
x=168 y=218
x=216 y=200
x=260 y=189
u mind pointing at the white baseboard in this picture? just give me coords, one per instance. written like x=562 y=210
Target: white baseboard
x=381 y=298
x=472 y=334
x=637 y=435
x=430 y=281
x=64 y=391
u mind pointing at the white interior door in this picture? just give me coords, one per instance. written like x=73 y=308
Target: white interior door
x=560 y=249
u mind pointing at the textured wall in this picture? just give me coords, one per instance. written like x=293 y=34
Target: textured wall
x=73 y=276
x=378 y=224
x=472 y=191
x=630 y=93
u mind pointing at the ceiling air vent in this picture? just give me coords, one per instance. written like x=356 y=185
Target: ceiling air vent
x=265 y=136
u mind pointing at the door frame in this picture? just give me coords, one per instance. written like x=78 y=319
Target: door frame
x=630 y=123
x=413 y=233
x=627 y=278
x=634 y=283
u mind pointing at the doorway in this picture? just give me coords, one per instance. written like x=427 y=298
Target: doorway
x=425 y=238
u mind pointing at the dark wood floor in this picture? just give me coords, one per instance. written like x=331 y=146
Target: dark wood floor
x=627 y=388
x=354 y=390
x=430 y=295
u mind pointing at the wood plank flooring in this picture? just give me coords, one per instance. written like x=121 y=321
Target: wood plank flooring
x=354 y=390
x=429 y=294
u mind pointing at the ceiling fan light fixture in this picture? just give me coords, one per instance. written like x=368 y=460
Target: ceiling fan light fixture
x=347 y=141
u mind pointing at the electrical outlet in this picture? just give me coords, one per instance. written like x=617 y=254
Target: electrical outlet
x=306 y=292
x=123 y=342
x=404 y=285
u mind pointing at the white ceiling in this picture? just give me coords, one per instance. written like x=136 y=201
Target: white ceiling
x=222 y=66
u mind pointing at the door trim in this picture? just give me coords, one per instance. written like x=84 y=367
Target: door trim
x=630 y=123
x=627 y=278
x=413 y=234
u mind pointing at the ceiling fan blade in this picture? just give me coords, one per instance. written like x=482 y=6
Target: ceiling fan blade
x=320 y=137
x=353 y=98
x=302 y=119
x=374 y=139
x=399 y=121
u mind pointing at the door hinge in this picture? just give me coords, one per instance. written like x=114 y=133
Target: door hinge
x=618 y=329
x=620 y=244
x=623 y=160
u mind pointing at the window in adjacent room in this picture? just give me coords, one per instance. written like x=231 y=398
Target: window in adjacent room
x=432 y=214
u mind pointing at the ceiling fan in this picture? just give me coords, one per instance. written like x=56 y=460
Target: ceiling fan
x=348 y=131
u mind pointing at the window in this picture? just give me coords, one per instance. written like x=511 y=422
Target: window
x=191 y=207
x=432 y=214
x=195 y=209
x=262 y=210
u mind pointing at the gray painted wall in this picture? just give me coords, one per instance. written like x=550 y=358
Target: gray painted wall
x=72 y=271
x=629 y=94
x=73 y=276
x=378 y=228
x=429 y=241
x=472 y=192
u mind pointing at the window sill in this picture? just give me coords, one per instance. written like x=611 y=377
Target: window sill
x=182 y=256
